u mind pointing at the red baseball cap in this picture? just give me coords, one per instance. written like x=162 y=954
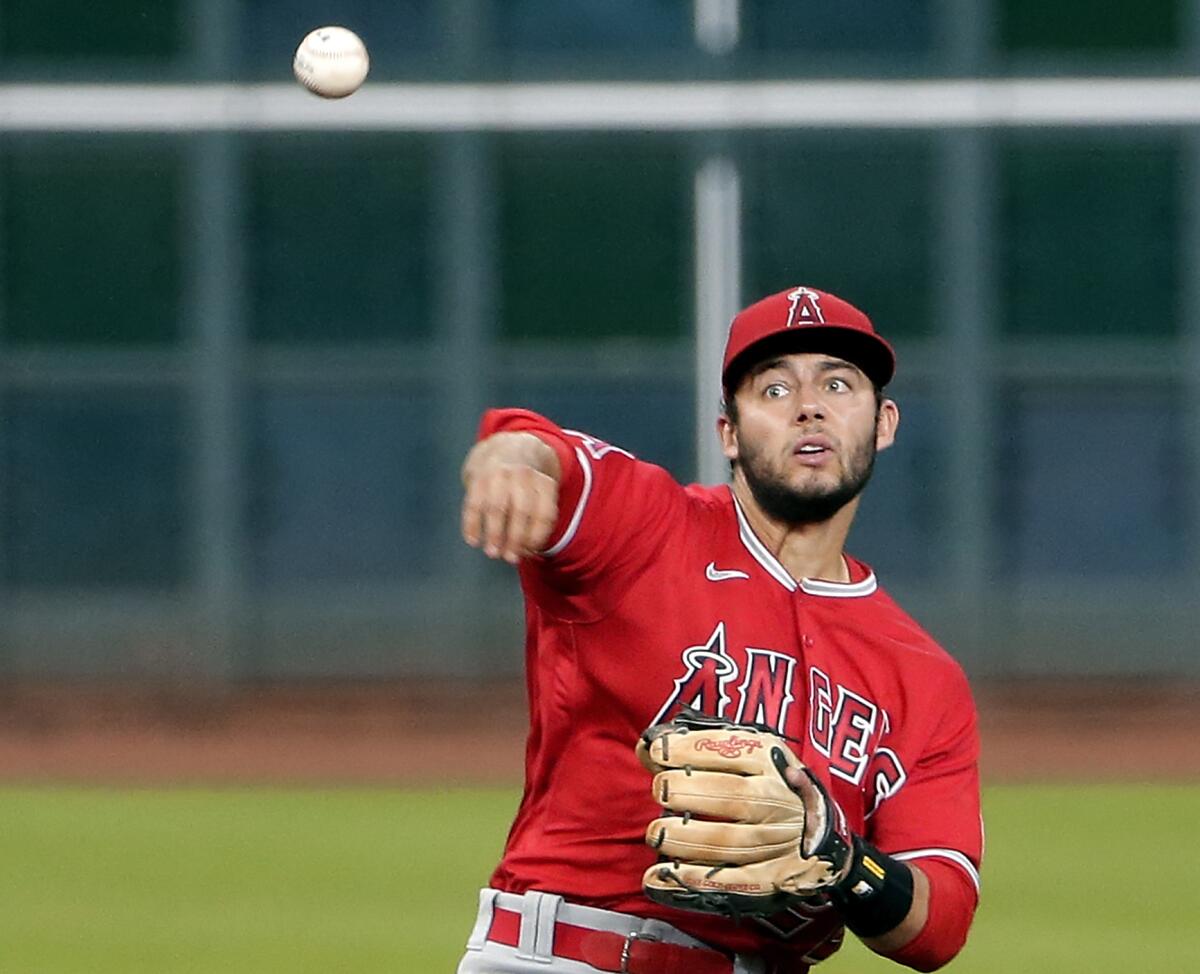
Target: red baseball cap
x=803 y=319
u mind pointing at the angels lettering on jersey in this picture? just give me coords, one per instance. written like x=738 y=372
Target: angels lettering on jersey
x=844 y=726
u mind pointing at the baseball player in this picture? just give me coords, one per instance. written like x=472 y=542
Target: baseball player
x=812 y=752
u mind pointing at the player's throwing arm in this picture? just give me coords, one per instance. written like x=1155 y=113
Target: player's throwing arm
x=511 y=502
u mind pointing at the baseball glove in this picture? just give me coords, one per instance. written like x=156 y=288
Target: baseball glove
x=739 y=838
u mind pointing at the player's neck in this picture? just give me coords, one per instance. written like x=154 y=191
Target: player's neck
x=812 y=550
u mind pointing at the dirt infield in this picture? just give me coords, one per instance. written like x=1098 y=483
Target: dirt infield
x=422 y=734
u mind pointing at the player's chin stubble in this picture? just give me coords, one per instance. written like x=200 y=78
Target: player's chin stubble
x=808 y=505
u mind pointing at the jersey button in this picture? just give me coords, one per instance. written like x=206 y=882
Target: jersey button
x=808 y=640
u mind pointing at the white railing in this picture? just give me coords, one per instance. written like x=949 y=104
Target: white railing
x=680 y=106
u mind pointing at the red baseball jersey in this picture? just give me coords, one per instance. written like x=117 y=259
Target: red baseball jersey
x=654 y=595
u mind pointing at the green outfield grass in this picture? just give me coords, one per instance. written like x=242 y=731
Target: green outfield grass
x=1078 y=879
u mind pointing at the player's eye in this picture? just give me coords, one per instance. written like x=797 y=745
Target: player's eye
x=775 y=390
x=838 y=385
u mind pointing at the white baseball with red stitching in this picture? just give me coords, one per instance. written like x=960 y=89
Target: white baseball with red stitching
x=331 y=62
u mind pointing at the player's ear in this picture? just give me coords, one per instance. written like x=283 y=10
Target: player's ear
x=886 y=423
x=728 y=436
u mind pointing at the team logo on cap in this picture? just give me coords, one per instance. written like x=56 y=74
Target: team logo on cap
x=805 y=309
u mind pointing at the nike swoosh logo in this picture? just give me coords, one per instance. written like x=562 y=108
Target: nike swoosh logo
x=715 y=574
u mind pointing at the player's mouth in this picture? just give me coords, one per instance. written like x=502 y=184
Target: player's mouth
x=813 y=451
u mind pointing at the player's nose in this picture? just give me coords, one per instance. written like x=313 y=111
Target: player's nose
x=809 y=403
x=809 y=409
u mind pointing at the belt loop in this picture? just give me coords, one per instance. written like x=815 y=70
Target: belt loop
x=547 y=916
x=538 y=913
x=483 y=920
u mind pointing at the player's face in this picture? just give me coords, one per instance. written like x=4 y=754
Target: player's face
x=806 y=432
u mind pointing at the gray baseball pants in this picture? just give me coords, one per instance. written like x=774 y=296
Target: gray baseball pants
x=534 y=952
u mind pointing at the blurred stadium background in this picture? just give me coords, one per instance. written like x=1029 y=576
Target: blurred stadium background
x=242 y=363
x=247 y=335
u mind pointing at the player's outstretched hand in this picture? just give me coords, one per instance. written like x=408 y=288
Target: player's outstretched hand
x=511 y=502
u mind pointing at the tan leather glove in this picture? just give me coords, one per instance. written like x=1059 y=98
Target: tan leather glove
x=743 y=835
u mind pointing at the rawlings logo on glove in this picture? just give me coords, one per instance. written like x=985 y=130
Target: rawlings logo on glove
x=748 y=828
x=730 y=747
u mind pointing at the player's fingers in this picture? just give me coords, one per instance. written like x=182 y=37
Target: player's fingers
x=471 y=519
x=495 y=508
x=545 y=515
x=532 y=516
x=518 y=502
x=472 y=512
x=522 y=501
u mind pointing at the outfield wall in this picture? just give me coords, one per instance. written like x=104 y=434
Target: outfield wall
x=246 y=335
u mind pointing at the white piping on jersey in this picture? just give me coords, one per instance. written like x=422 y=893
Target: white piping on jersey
x=953 y=855
x=573 y=526
x=811 y=586
x=840 y=590
x=760 y=552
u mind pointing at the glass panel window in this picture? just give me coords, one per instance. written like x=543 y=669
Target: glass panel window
x=339 y=238
x=595 y=238
x=593 y=25
x=653 y=419
x=398 y=33
x=897 y=528
x=1089 y=233
x=94 y=494
x=811 y=33
x=1094 y=482
x=343 y=486
x=1085 y=26
x=118 y=29
x=851 y=214
x=92 y=241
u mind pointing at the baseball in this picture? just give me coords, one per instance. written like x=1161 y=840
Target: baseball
x=331 y=62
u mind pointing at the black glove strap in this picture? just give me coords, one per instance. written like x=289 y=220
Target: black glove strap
x=877 y=893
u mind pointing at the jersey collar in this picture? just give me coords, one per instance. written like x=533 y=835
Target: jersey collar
x=810 y=586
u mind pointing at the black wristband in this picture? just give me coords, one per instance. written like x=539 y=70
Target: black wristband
x=877 y=893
